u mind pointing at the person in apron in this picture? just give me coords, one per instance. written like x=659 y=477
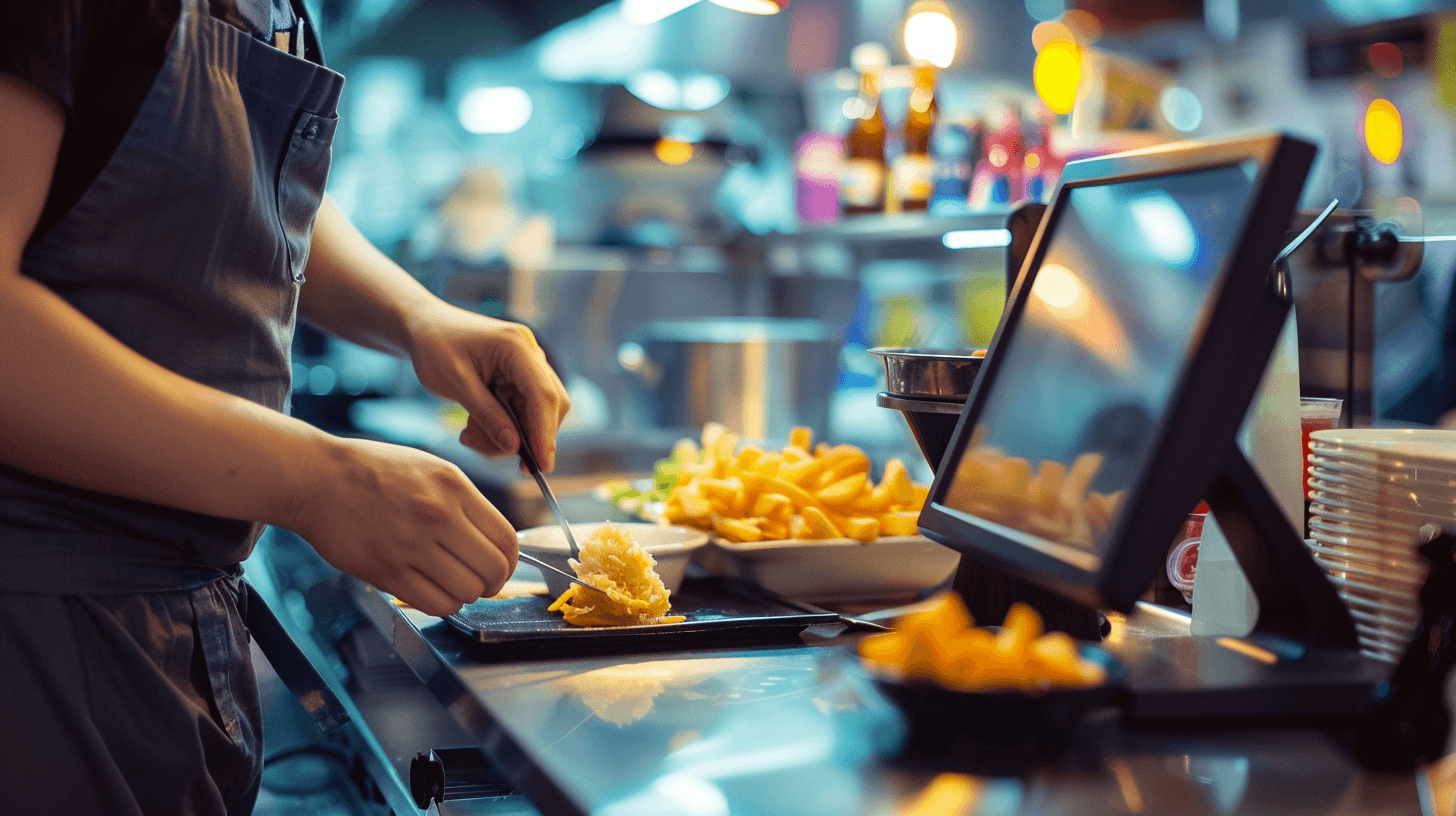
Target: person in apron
x=144 y=441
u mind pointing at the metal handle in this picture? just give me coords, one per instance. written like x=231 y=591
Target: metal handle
x=501 y=387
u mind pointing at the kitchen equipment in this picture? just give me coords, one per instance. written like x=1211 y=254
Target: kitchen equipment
x=757 y=376
x=502 y=388
x=559 y=573
x=927 y=373
x=931 y=421
x=935 y=384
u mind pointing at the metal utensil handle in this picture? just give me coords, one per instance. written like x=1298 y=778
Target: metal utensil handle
x=499 y=388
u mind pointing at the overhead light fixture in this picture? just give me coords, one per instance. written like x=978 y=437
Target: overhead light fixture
x=930 y=33
x=495 y=110
x=694 y=92
x=976 y=238
x=754 y=6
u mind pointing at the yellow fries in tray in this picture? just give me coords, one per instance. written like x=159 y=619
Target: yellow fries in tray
x=799 y=492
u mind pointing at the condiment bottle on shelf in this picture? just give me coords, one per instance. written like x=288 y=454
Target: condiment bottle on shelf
x=912 y=171
x=862 y=177
x=998 y=180
x=954 y=148
x=1040 y=166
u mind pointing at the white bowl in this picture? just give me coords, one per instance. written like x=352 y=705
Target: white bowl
x=672 y=547
x=836 y=570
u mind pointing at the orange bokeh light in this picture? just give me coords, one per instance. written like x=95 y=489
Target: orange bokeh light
x=673 y=151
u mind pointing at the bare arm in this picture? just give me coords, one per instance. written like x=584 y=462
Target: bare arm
x=60 y=368
x=81 y=408
x=356 y=292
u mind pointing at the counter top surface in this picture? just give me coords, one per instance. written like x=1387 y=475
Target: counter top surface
x=799 y=730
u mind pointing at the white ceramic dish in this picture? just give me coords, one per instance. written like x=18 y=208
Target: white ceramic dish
x=672 y=547
x=1424 y=474
x=1380 y=624
x=1330 y=513
x=1415 y=445
x=836 y=570
x=1413 y=494
x=1392 y=594
x=1400 y=541
x=1407 y=570
x=1397 y=548
x=1398 y=510
x=1368 y=572
x=1387 y=611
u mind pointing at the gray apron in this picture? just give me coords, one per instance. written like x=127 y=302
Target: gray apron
x=126 y=684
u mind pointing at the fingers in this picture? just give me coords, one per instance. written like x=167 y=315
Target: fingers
x=491 y=555
x=546 y=403
x=479 y=440
x=494 y=434
x=423 y=594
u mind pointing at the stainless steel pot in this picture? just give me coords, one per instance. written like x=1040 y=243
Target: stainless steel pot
x=759 y=377
x=927 y=373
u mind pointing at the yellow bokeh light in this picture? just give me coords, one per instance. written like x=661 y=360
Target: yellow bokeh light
x=673 y=151
x=1057 y=73
x=1384 y=133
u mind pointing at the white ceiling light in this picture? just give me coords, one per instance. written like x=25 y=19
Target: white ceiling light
x=657 y=88
x=930 y=33
x=495 y=110
x=694 y=92
x=703 y=91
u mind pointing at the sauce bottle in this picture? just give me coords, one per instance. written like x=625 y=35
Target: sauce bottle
x=912 y=173
x=862 y=177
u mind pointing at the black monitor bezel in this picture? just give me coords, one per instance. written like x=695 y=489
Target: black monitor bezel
x=1209 y=399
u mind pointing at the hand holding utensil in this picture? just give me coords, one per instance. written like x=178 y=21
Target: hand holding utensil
x=501 y=388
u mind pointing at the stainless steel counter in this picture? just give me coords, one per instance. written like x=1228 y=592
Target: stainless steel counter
x=788 y=730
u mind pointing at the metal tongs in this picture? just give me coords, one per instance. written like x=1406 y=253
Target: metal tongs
x=501 y=388
x=542 y=564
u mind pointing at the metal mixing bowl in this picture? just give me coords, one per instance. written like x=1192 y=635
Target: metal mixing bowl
x=929 y=373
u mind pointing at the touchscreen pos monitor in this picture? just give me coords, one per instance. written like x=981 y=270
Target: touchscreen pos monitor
x=1132 y=344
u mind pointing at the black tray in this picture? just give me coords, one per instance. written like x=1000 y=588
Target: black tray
x=721 y=612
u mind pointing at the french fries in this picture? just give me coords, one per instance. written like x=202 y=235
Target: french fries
x=943 y=644
x=803 y=490
x=1054 y=501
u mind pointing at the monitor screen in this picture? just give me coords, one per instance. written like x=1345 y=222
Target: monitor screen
x=1085 y=379
x=1144 y=296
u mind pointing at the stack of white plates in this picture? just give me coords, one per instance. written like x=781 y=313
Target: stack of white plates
x=1372 y=492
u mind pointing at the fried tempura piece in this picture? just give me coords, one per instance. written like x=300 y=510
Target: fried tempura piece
x=632 y=592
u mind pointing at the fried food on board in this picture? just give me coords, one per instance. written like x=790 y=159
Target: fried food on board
x=748 y=493
x=632 y=591
x=944 y=645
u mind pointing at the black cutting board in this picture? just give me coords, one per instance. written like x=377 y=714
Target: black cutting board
x=720 y=612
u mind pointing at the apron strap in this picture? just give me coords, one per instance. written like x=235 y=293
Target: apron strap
x=292 y=665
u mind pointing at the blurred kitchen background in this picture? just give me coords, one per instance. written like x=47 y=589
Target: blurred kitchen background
x=654 y=187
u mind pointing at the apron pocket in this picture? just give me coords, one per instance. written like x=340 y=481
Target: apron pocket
x=301 y=178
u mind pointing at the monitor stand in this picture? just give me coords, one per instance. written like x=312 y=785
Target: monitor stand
x=1300 y=661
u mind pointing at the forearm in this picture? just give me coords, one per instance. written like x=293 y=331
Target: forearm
x=81 y=408
x=356 y=292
